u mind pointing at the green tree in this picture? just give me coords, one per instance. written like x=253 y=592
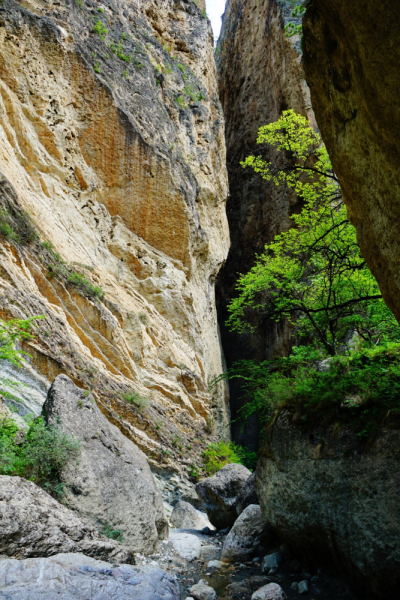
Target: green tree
x=314 y=274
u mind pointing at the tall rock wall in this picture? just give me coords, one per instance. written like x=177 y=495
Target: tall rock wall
x=260 y=75
x=112 y=142
x=352 y=58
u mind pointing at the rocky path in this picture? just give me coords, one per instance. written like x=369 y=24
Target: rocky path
x=237 y=581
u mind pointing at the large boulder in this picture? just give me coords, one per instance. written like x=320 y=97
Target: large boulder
x=79 y=577
x=250 y=536
x=247 y=495
x=334 y=499
x=272 y=591
x=186 y=516
x=188 y=546
x=33 y=524
x=112 y=485
x=219 y=494
x=203 y=591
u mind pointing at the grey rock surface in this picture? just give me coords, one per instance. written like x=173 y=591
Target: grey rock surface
x=210 y=552
x=79 y=577
x=187 y=545
x=271 y=561
x=202 y=591
x=219 y=494
x=112 y=484
x=272 y=591
x=250 y=536
x=303 y=587
x=336 y=505
x=186 y=516
x=247 y=495
x=33 y=524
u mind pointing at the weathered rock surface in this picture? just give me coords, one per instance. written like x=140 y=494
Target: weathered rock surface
x=351 y=58
x=188 y=546
x=219 y=494
x=185 y=516
x=33 y=524
x=129 y=185
x=250 y=536
x=77 y=577
x=202 y=591
x=334 y=500
x=272 y=591
x=247 y=495
x=259 y=75
x=112 y=483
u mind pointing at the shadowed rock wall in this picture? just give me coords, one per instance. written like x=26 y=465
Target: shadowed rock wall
x=351 y=59
x=260 y=75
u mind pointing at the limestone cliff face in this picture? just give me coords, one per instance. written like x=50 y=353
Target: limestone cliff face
x=351 y=62
x=112 y=141
x=334 y=498
x=260 y=75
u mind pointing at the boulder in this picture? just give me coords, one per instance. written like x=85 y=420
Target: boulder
x=33 y=524
x=303 y=587
x=272 y=591
x=334 y=499
x=188 y=546
x=112 y=484
x=247 y=495
x=250 y=536
x=78 y=577
x=219 y=494
x=271 y=562
x=186 y=516
x=202 y=591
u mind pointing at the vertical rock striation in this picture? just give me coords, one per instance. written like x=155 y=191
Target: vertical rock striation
x=260 y=75
x=112 y=142
x=351 y=61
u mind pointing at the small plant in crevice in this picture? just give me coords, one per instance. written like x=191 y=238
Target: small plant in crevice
x=112 y=534
x=100 y=29
x=143 y=318
x=136 y=399
x=61 y=270
x=96 y=67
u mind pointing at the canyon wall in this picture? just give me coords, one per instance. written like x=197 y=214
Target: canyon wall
x=351 y=59
x=113 y=180
x=260 y=75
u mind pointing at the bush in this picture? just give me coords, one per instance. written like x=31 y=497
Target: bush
x=136 y=399
x=218 y=455
x=41 y=457
x=361 y=388
x=85 y=286
x=113 y=534
x=100 y=29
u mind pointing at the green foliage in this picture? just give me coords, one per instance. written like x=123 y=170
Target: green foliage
x=11 y=332
x=119 y=51
x=100 y=29
x=16 y=225
x=313 y=275
x=361 y=388
x=297 y=13
x=96 y=67
x=85 y=286
x=143 y=318
x=113 y=534
x=135 y=398
x=100 y=9
x=41 y=457
x=218 y=455
x=179 y=100
x=58 y=268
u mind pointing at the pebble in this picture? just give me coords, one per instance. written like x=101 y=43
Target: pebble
x=303 y=587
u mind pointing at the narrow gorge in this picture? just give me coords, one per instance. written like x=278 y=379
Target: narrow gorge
x=200 y=358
